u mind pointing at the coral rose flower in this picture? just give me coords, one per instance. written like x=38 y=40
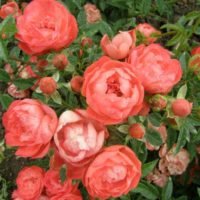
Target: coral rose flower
x=114 y=172
x=78 y=138
x=154 y=67
x=119 y=47
x=147 y=30
x=55 y=188
x=10 y=8
x=112 y=91
x=45 y=25
x=30 y=125
x=29 y=183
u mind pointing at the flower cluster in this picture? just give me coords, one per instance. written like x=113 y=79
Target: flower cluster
x=133 y=78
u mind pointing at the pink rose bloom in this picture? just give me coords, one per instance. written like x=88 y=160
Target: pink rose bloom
x=29 y=183
x=10 y=8
x=157 y=178
x=16 y=93
x=114 y=172
x=92 y=13
x=154 y=67
x=45 y=25
x=30 y=125
x=147 y=31
x=174 y=164
x=78 y=138
x=113 y=92
x=119 y=47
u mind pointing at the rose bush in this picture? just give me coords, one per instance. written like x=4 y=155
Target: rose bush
x=99 y=100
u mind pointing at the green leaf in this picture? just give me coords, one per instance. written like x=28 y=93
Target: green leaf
x=139 y=148
x=167 y=190
x=3 y=51
x=4 y=76
x=105 y=29
x=8 y=26
x=147 y=190
x=123 y=128
x=181 y=138
x=184 y=59
x=5 y=101
x=155 y=119
x=198 y=191
x=144 y=7
x=161 y=6
x=148 y=167
x=63 y=174
x=182 y=92
x=56 y=97
x=3 y=189
x=171 y=137
x=153 y=137
x=24 y=84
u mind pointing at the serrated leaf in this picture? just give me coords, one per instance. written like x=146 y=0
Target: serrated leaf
x=161 y=6
x=148 y=167
x=4 y=76
x=171 y=137
x=155 y=119
x=147 y=190
x=153 y=137
x=56 y=76
x=167 y=190
x=184 y=59
x=182 y=92
x=24 y=84
x=5 y=101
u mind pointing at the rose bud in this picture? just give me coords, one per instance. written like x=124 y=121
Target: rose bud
x=181 y=107
x=194 y=63
x=137 y=131
x=117 y=48
x=30 y=126
x=147 y=30
x=10 y=8
x=46 y=30
x=114 y=172
x=154 y=67
x=60 y=61
x=78 y=138
x=158 y=102
x=76 y=83
x=145 y=109
x=47 y=85
x=29 y=183
x=41 y=64
x=92 y=13
x=3 y=36
x=16 y=93
x=86 y=42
